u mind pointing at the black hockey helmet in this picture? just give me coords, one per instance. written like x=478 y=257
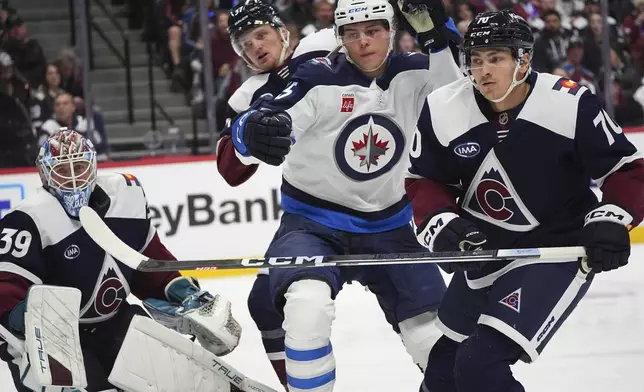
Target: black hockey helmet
x=498 y=29
x=250 y=14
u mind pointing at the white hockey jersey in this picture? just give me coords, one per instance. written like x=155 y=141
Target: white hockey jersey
x=352 y=137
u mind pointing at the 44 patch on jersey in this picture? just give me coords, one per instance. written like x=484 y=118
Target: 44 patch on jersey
x=491 y=197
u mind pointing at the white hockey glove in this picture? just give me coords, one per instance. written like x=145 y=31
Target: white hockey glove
x=190 y=310
x=53 y=359
x=431 y=22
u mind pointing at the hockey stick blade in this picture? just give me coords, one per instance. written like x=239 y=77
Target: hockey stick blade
x=106 y=239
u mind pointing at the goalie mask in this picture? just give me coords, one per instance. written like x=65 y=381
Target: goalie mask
x=67 y=167
x=499 y=29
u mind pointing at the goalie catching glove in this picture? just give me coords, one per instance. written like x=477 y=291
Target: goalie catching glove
x=447 y=232
x=192 y=311
x=430 y=21
x=263 y=135
x=605 y=237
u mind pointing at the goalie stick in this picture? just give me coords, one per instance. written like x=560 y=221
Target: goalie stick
x=106 y=239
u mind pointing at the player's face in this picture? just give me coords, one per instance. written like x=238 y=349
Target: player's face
x=367 y=43
x=493 y=71
x=263 y=47
x=71 y=175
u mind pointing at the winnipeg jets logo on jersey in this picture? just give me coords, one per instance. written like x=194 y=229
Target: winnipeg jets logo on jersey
x=369 y=146
x=110 y=292
x=492 y=198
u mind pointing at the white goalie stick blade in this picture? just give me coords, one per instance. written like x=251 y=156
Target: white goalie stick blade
x=11 y=339
x=154 y=358
x=52 y=338
x=106 y=239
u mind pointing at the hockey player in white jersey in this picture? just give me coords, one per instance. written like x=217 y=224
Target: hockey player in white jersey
x=352 y=119
x=262 y=40
x=63 y=299
x=505 y=159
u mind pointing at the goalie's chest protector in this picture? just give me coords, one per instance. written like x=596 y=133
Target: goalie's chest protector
x=528 y=188
x=71 y=258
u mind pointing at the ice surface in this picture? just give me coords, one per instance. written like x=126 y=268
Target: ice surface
x=599 y=349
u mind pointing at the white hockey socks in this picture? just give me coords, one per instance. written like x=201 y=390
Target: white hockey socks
x=308 y=315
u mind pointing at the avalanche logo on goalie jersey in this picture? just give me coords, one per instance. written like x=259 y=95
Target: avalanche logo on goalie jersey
x=369 y=146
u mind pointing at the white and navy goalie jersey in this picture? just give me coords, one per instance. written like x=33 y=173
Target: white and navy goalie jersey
x=41 y=244
x=352 y=134
x=233 y=167
x=523 y=177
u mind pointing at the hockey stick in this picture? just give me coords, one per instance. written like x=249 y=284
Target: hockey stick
x=106 y=239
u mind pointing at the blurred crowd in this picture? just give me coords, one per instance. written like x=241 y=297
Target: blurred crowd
x=569 y=35
x=37 y=95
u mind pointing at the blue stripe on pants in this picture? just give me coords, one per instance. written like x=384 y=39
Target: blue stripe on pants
x=311 y=383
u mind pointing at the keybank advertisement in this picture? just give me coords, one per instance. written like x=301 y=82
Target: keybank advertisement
x=197 y=214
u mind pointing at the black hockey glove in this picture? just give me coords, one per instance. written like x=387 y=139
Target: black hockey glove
x=434 y=28
x=605 y=237
x=447 y=232
x=264 y=135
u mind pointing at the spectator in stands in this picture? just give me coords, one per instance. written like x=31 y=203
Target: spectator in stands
x=174 y=11
x=593 y=38
x=223 y=54
x=406 y=43
x=5 y=12
x=294 y=35
x=66 y=115
x=27 y=54
x=634 y=30
x=550 y=49
x=528 y=10
x=71 y=74
x=628 y=112
x=464 y=12
x=574 y=67
x=18 y=137
x=46 y=95
x=300 y=12
x=323 y=17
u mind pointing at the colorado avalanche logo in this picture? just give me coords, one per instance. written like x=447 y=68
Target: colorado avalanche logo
x=513 y=300
x=492 y=197
x=109 y=294
x=369 y=146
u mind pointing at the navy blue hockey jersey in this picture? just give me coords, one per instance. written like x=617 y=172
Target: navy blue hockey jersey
x=41 y=244
x=529 y=185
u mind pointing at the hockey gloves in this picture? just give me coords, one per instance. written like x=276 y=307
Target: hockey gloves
x=264 y=135
x=429 y=19
x=445 y=232
x=605 y=237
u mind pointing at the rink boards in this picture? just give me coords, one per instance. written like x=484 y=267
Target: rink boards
x=197 y=214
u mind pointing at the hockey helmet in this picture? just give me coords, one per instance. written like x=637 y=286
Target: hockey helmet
x=248 y=15
x=498 y=29
x=356 y=11
x=67 y=167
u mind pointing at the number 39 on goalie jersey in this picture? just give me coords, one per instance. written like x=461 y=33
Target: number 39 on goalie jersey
x=533 y=187
x=41 y=244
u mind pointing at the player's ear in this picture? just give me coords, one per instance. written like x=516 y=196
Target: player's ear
x=525 y=65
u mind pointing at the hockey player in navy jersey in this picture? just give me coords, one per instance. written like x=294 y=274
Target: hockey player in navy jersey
x=518 y=150
x=261 y=39
x=42 y=244
x=351 y=119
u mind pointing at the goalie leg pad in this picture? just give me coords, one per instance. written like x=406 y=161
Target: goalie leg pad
x=155 y=359
x=308 y=314
x=419 y=334
x=52 y=343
